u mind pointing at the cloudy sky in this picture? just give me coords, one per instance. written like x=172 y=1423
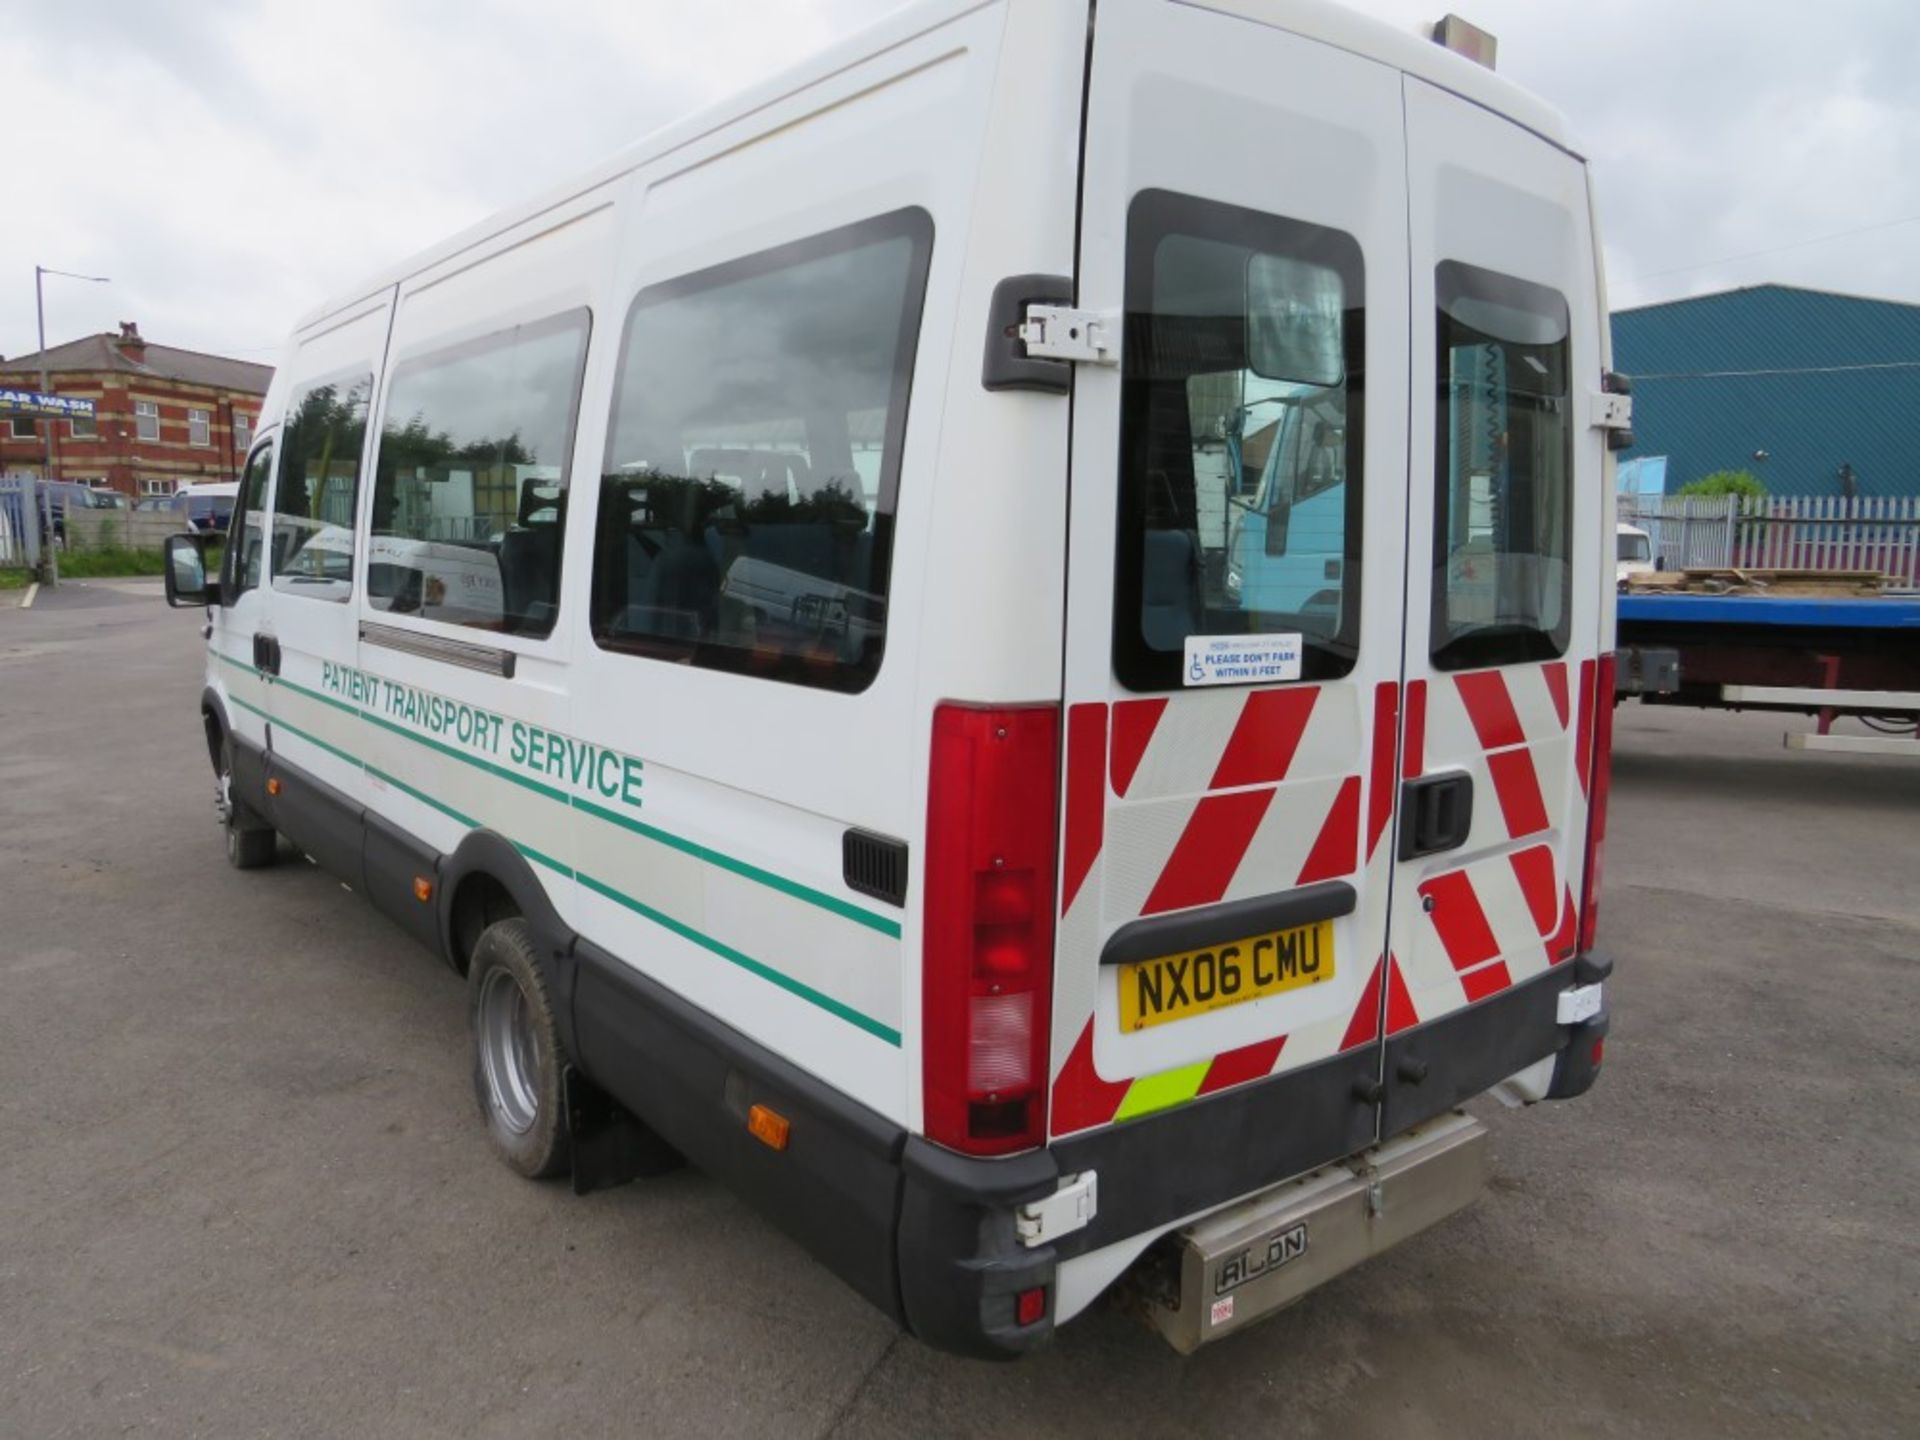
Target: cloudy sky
x=229 y=162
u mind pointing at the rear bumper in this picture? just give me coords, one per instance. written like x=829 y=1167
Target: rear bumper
x=931 y=1238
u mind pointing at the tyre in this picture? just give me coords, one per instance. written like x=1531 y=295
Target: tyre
x=517 y=1056
x=251 y=841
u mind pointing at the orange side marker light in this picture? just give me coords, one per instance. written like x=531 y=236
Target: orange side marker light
x=273 y=785
x=422 y=889
x=769 y=1127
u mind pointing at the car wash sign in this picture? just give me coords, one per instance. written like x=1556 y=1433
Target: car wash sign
x=32 y=402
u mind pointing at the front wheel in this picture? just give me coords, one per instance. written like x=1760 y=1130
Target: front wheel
x=517 y=1055
x=251 y=842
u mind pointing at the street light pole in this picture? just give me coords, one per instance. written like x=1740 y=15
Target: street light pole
x=46 y=388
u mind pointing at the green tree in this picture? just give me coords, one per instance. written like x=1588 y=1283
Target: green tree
x=1727 y=482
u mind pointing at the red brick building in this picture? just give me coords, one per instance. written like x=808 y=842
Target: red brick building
x=162 y=417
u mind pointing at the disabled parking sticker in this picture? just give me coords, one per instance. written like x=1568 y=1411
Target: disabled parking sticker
x=1242 y=659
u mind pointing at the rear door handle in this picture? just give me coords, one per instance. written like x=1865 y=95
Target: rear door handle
x=1436 y=813
x=266 y=654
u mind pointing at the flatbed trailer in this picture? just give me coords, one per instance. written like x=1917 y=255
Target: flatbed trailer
x=1818 y=655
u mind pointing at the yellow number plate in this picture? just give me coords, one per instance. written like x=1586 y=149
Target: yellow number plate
x=1173 y=987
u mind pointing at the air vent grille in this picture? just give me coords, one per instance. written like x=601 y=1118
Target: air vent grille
x=875 y=865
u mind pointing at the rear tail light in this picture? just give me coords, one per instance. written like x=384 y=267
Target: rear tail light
x=992 y=817
x=1030 y=1306
x=1598 y=784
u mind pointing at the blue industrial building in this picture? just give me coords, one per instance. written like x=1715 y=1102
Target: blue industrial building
x=1811 y=391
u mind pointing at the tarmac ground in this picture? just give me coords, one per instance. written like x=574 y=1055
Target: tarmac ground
x=243 y=1188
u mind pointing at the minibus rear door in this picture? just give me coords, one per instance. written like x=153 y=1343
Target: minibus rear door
x=1234 y=602
x=1510 y=526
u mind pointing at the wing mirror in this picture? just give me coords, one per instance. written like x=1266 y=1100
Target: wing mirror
x=188 y=584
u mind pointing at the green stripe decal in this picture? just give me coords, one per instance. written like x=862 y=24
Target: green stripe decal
x=546 y=860
x=833 y=904
x=323 y=699
x=425 y=799
x=499 y=771
x=881 y=923
x=1162 y=1091
x=745 y=962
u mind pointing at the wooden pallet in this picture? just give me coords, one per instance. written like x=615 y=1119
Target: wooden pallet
x=1726 y=581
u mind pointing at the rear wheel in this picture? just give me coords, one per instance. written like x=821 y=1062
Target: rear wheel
x=517 y=1055
x=251 y=841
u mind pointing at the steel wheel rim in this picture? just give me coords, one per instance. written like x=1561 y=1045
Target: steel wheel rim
x=508 y=1055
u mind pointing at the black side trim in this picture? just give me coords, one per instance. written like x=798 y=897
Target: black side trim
x=1007 y=365
x=1238 y=920
x=391 y=860
x=1434 y=1067
x=317 y=818
x=874 y=865
x=835 y=1188
x=1194 y=1157
x=249 y=774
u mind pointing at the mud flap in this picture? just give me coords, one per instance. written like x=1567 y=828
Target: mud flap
x=610 y=1146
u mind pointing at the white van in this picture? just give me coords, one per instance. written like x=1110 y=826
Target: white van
x=961 y=727
x=1633 y=553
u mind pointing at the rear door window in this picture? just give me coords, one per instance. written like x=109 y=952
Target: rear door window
x=1241 y=417
x=747 y=501
x=1502 y=585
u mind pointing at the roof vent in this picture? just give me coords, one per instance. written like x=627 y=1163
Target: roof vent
x=1462 y=38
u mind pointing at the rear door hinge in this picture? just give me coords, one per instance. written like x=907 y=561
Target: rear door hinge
x=1069 y=1208
x=1612 y=412
x=1612 y=408
x=1058 y=332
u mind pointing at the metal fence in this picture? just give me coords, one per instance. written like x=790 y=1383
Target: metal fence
x=19 y=523
x=1806 y=532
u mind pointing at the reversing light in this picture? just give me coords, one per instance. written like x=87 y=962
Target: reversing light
x=1466 y=39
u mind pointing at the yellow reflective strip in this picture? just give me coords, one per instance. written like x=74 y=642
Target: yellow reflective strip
x=1158 y=1092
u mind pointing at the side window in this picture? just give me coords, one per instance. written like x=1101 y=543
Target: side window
x=747 y=500
x=313 y=505
x=1502 y=585
x=247 y=531
x=1242 y=385
x=469 y=490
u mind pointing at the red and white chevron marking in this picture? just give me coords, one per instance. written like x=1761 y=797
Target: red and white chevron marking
x=1232 y=794
x=1227 y=795
x=1507 y=914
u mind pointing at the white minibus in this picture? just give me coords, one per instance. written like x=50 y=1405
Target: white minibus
x=1004 y=642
